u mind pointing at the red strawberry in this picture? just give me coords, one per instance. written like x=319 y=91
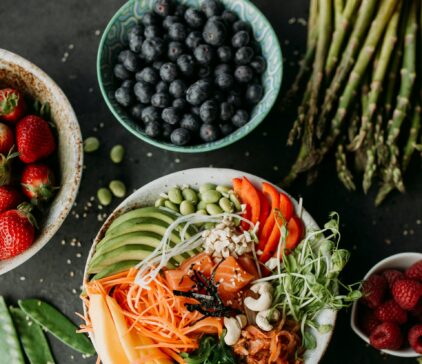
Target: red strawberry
x=386 y=336
x=10 y=198
x=34 y=139
x=37 y=182
x=415 y=271
x=12 y=105
x=374 y=289
x=392 y=275
x=368 y=322
x=390 y=311
x=415 y=338
x=16 y=232
x=407 y=292
x=7 y=139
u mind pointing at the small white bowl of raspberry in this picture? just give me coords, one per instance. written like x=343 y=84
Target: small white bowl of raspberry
x=389 y=316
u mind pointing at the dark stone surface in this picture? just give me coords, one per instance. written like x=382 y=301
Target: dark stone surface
x=43 y=32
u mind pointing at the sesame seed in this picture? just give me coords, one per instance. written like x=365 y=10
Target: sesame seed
x=69 y=261
x=22 y=278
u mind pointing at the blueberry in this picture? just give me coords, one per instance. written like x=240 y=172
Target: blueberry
x=224 y=80
x=240 y=118
x=180 y=103
x=223 y=68
x=161 y=100
x=194 y=18
x=128 y=84
x=124 y=96
x=168 y=72
x=186 y=64
x=137 y=29
x=259 y=65
x=121 y=72
x=214 y=32
x=243 y=74
x=150 y=114
x=123 y=55
x=152 y=31
x=209 y=133
x=198 y=92
x=143 y=92
x=241 y=25
x=208 y=111
x=193 y=39
x=149 y=18
x=180 y=136
x=204 y=71
x=235 y=99
x=169 y=20
x=163 y=7
x=226 y=111
x=136 y=112
x=177 y=31
x=162 y=86
x=131 y=63
x=224 y=53
x=177 y=89
x=171 y=115
x=254 y=93
x=195 y=110
x=157 y=65
x=244 y=55
x=190 y=122
x=167 y=129
x=175 y=50
x=226 y=129
x=229 y=16
x=153 y=129
x=180 y=9
x=211 y=8
x=240 y=39
x=148 y=75
x=204 y=53
x=152 y=49
x=135 y=43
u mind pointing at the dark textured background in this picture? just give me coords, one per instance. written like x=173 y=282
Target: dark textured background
x=43 y=31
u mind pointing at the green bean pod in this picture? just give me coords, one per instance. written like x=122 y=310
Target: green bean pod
x=10 y=350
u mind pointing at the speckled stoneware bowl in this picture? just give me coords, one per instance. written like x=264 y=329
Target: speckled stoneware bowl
x=146 y=196
x=17 y=72
x=127 y=16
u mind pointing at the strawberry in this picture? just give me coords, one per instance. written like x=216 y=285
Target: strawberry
x=34 y=139
x=12 y=105
x=7 y=139
x=10 y=198
x=368 y=322
x=37 y=182
x=16 y=232
x=374 y=290
x=407 y=292
x=415 y=271
x=392 y=275
x=415 y=338
x=386 y=336
x=390 y=311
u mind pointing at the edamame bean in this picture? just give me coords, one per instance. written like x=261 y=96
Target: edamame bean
x=175 y=195
x=117 y=188
x=236 y=202
x=170 y=205
x=104 y=196
x=206 y=187
x=117 y=154
x=226 y=204
x=187 y=208
x=190 y=195
x=202 y=205
x=160 y=202
x=209 y=225
x=91 y=144
x=211 y=196
x=202 y=212
x=223 y=189
x=214 y=209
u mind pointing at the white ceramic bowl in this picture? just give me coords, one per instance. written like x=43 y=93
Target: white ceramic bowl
x=147 y=195
x=400 y=261
x=17 y=72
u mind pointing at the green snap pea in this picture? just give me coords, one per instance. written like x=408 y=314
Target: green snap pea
x=175 y=195
x=91 y=144
x=202 y=205
x=236 y=202
x=10 y=350
x=207 y=187
x=32 y=338
x=117 y=154
x=117 y=188
x=226 y=204
x=214 y=209
x=170 y=205
x=190 y=195
x=159 y=202
x=187 y=208
x=104 y=196
x=223 y=189
x=57 y=324
x=211 y=196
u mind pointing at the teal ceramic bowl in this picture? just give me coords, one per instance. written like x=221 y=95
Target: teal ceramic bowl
x=130 y=13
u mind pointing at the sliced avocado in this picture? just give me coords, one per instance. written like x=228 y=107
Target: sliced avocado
x=136 y=237
x=115 y=268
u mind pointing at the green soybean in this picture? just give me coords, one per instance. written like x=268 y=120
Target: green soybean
x=207 y=187
x=202 y=205
x=117 y=154
x=202 y=212
x=175 y=195
x=170 y=205
x=10 y=350
x=190 y=195
x=209 y=225
x=91 y=144
x=236 y=202
x=223 y=189
x=187 y=208
x=226 y=204
x=211 y=196
x=32 y=338
x=57 y=324
x=104 y=196
x=117 y=188
x=214 y=209
x=160 y=202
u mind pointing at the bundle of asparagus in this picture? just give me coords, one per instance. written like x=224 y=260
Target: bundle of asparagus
x=362 y=71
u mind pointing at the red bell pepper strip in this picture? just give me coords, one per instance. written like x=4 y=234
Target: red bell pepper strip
x=295 y=232
x=286 y=207
x=265 y=211
x=274 y=196
x=251 y=197
x=238 y=189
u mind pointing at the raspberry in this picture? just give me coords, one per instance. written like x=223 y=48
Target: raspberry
x=368 y=322
x=415 y=271
x=407 y=292
x=390 y=311
x=374 y=289
x=415 y=338
x=392 y=275
x=386 y=336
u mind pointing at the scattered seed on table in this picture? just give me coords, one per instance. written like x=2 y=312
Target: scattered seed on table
x=63 y=242
x=275 y=168
x=91 y=144
x=78 y=255
x=247 y=154
x=117 y=154
x=149 y=154
x=104 y=196
x=69 y=261
x=117 y=188
x=177 y=160
x=22 y=278
x=97 y=32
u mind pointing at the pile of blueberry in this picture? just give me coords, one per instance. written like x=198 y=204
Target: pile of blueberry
x=190 y=75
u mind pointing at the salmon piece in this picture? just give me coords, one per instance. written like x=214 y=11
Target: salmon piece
x=202 y=263
x=178 y=280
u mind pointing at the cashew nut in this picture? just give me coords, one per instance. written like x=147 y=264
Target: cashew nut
x=263 y=302
x=233 y=330
x=263 y=319
x=243 y=320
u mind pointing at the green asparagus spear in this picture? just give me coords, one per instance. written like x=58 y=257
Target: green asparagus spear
x=343 y=171
x=413 y=138
x=338 y=12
